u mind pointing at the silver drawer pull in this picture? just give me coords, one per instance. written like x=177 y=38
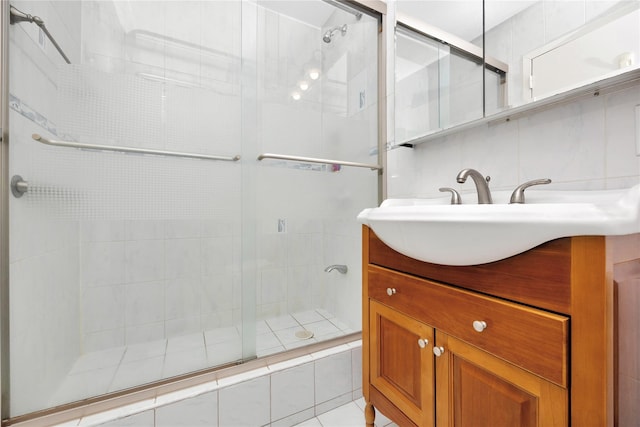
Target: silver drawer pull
x=391 y=291
x=479 y=325
x=438 y=351
x=423 y=342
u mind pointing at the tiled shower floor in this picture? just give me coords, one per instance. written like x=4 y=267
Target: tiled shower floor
x=119 y=368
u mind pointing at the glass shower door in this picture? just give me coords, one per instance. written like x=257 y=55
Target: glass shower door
x=125 y=261
x=317 y=100
x=147 y=239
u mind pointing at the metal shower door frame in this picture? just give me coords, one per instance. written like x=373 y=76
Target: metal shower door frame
x=4 y=208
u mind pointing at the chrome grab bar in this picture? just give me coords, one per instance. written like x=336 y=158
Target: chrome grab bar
x=315 y=160
x=119 y=149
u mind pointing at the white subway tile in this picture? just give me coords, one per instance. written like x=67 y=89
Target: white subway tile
x=333 y=377
x=292 y=391
x=145 y=260
x=246 y=403
x=103 y=308
x=137 y=373
x=295 y=419
x=332 y=404
x=120 y=417
x=103 y=263
x=144 y=303
x=182 y=258
x=193 y=412
x=182 y=362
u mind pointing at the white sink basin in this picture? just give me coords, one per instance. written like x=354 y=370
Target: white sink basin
x=435 y=231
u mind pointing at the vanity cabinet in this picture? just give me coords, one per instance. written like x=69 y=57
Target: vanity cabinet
x=526 y=341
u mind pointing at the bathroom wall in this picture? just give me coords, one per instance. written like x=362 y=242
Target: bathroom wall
x=589 y=143
x=586 y=144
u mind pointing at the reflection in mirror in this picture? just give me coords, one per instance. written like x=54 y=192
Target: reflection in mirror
x=554 y=46
x=439 y=65
x=416 y=89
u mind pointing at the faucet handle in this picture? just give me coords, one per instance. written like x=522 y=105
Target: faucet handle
x=518 y=194
x=455 y=196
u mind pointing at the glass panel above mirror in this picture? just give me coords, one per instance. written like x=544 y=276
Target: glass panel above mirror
x=535 y=52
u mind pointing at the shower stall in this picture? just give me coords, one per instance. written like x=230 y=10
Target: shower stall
x=184 y=180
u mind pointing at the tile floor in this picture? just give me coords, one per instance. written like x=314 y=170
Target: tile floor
x=349 y=415
x=119 y=368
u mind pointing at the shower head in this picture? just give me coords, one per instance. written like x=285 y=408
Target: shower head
x=331 y=32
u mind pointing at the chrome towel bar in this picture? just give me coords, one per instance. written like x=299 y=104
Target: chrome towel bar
x=19 y=187
x=315 y=160
x=119 y=149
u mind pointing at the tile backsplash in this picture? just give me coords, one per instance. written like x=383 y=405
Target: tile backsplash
x=584 y=144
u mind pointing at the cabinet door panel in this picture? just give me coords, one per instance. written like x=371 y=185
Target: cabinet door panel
x=477 y=389
x=507 y=406
x=401 y=369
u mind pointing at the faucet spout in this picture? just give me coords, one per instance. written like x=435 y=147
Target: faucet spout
x=338 y=267
x=482 y=186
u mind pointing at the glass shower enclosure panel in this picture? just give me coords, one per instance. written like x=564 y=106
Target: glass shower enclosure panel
x=317 y=99
x=125 y=261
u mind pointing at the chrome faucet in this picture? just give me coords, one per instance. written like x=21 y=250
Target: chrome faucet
x=484 y=194
x=339 y=267
x=518 y=194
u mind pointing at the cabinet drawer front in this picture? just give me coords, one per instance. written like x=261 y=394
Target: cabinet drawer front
x=532 y=339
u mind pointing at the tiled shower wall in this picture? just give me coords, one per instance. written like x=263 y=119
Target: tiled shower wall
x=278 y=395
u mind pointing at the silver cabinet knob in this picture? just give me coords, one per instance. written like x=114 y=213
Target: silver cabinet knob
x=438 y=351
x=479 y=325
x=391 y=291
x=423 y=342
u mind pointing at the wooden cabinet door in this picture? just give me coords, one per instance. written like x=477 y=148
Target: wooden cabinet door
x=401 y=358
x=477 y=389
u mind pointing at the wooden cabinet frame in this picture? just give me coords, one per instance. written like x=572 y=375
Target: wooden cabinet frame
x=580 y=277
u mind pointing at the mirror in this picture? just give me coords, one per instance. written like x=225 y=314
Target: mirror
x=534 y=49
x=552 y=47
x=438 y=66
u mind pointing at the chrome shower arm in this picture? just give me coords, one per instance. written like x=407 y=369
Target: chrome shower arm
x=19 y=16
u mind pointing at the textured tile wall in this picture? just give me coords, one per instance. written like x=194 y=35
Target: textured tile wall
x=279 y=395
x=585 y=144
